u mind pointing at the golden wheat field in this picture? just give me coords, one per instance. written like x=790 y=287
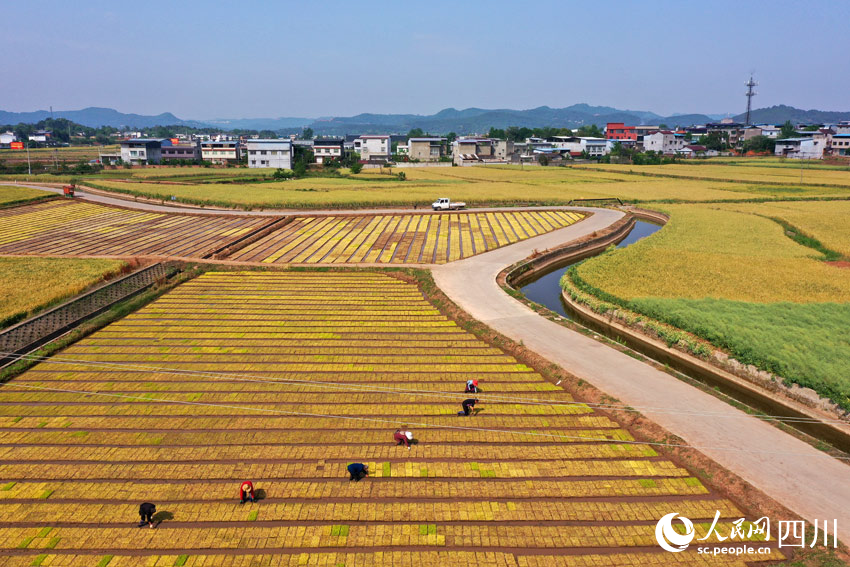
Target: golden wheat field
x=711 y=250
x=27 y=284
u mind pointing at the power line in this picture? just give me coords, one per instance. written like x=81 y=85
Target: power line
x=423 y=424
x=382 y=390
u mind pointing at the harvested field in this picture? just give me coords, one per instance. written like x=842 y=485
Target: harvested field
x=323 y=368
x=73 y=228
x=399 y=239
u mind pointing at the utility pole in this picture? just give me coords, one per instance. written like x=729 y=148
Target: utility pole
x=29 y=165
x=750 y=94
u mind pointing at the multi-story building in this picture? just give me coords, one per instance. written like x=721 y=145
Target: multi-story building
x=373 y=148
x=426 y=149
x=328 y=148
x=619 y=131
x=221 y=151
x=841 y=144
x=276 y=154
x=664 y=141
x=190 y=151
x=143 y=151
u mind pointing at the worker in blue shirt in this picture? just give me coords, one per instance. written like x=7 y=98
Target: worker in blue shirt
x=357 y=471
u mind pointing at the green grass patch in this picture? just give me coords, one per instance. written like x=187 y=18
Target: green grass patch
x=181 y=560
x=52 y=543
x=44 y=531
x=387 y=470
x=46 y=494
x=691 y=481
x=427 y=529
x=8 y=486
x=252 y=517
x=104 y=561
x=25 y=544
x=800 y=237
x=339 y=530
x=39 y=559
x=647 y=483
x=807 y=344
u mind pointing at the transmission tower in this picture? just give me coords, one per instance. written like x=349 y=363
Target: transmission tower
x=750 y=94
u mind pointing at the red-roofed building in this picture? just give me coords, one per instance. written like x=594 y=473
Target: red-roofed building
x=619 y=131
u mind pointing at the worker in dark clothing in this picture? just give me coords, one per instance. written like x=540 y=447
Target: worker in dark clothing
x=468 y=405
x=146 y=512
x=472 y=387
x=357 y=471
x=246 y=492
x=401 y=437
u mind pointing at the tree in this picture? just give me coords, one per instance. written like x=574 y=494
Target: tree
x=543 y=159
x=496 y=133
x=306 y=134
x=451 y=137
x=415 y=133
x=787 y=130
x=590 y=131
x=356 y=167
x=714 y=140
x=268 y=135
x=759 y=144
x=663 y=126
x=299 y=169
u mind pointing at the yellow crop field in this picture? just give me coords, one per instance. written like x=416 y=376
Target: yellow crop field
x=828 y=221
x=716 y=251
x=27 y=284
x=475 y=185
x=397 y=239
x=284 y=378
x=750 y=174
x=11 y=194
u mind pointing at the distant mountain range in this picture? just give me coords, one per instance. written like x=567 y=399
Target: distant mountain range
x=467 y=121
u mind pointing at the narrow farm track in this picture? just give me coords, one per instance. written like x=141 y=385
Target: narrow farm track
x=285 y=378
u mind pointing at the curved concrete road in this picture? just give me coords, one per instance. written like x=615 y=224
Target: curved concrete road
x=795 y=474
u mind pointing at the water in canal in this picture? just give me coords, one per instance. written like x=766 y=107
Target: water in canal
x=545 y=289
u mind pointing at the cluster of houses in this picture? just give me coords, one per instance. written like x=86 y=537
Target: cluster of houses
x=813 y=143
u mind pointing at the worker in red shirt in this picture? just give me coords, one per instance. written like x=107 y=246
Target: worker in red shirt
x=246 y=492
x=400 y=436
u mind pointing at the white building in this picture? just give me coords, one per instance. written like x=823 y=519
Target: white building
x=270 y=153
x=803 y=148
x=664 y=141
x=841 y=144
x=373 y=147
x=769 y=130
x=575 y=145
x=8 y=138
x=328 y=149
x=143 y=151
x=42 y=136
x=221 y=151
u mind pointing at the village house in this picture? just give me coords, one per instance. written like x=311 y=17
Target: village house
x=426 y=149
x=221 y=151
x=373 y=148
x=328 y=149
x=190 y=151
x=664 y=141
x=275 y=154
x=143 y=151
x=802 y=148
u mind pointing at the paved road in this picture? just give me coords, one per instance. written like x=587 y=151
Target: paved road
x=795 y=474
x=104 y=199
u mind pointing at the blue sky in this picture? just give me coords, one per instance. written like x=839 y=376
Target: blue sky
x=268 y=59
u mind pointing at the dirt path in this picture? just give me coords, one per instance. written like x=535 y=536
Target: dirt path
x=810 y=483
